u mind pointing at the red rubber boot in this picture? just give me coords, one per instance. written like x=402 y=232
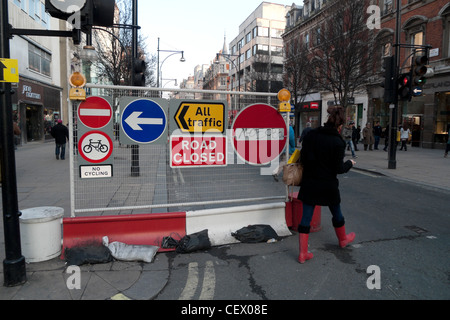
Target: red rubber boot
x=303 y=244
x=344 y=239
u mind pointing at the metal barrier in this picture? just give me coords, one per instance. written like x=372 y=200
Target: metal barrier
x=141 y=178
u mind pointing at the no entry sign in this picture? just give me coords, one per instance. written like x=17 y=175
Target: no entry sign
x=198 y=151
x=95 y=112
x=259 y=134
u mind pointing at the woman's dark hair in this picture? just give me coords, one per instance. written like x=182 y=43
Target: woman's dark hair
x=336 y=116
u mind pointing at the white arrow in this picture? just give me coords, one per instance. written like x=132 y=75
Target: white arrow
x=134 y=121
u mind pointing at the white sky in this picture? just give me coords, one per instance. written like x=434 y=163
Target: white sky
x=196 y=27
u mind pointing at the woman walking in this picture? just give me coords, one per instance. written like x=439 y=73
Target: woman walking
x=322 y=157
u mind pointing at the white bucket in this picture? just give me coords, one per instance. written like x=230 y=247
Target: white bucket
x=40 y=233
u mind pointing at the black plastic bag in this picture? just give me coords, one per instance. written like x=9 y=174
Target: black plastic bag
x=194 y=242
x=255 y=233
x=78 y=256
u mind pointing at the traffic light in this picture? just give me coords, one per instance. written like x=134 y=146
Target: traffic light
x=388 y=82
x=418 y=72
x=82 y=14
x=139 y=73
x=404 y=87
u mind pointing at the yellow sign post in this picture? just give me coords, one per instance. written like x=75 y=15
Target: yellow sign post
x=202 y=117
x=9 y=70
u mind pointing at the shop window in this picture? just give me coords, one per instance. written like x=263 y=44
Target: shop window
x=443 y=117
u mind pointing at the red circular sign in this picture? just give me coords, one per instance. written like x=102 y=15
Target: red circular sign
x=95 y=112
x=95 y=146
x=259 y=134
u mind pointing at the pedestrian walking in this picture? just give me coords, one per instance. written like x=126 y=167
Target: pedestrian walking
x=305 y=131
x=17 y=133
x=322 y=158
x=377 y=132
x=347 y=133
x=356 y=136
x=404 y=136
x=386 y=138
x=447 y=148
x=368 y=138
x=61 y=135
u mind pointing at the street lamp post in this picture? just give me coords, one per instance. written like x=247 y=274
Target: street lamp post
x=159 y=66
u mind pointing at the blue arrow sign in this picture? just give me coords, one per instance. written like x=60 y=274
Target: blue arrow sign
x=144 y=121
x=417 y=91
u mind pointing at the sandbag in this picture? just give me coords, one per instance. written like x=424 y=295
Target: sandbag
x=194 y=242
x=126 y=252
x=255 y=233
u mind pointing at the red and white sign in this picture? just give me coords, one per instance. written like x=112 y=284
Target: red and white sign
x=95 y=147
x=95 y=112
x=198 y=151
x=259 y=134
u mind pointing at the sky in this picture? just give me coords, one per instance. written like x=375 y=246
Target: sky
x=196 y=27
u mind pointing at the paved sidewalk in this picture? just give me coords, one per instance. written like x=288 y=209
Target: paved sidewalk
x=44 y=181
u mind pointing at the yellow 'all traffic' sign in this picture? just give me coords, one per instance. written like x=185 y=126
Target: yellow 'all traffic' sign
x=201 y=117
x=9 y=70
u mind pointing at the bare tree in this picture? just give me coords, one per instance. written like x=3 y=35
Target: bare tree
x=299 y=78
x=114 y=50
x=342 y=64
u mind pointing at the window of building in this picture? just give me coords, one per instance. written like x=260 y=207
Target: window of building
x=446 y=32
x=387 y=6
x=39 y=60
x=255 y=32
x=248 y=54
x=248 y=37
x=263 y=32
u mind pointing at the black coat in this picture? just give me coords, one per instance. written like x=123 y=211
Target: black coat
x=60 y=133
x=322 y=157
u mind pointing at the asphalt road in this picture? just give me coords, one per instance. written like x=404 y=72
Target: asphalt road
x=400 y=252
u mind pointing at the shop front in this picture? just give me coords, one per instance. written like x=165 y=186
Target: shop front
x=36 y=107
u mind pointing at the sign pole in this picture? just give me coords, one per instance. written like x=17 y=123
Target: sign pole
x=14 y=270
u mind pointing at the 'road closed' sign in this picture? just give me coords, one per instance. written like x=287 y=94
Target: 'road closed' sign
x=195 y=151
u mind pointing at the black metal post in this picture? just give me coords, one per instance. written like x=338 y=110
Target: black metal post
x=394 y=112
x=135 y=170
x=14 y=270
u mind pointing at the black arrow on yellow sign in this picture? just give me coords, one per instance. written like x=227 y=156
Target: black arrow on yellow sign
x=201 y=117
x=2 y=67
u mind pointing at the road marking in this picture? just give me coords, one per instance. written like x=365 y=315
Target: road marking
x=209 y=282
x=192 y=282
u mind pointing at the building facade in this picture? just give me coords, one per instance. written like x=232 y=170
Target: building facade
x=424 y=22
x=256 y=54
x=38 y=101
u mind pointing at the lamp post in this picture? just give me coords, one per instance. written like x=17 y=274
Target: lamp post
x=159 y=66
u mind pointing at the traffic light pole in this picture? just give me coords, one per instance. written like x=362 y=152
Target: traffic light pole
x=394 y=111
x=14 y=270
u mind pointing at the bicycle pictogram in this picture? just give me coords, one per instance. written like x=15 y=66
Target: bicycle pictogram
x=98 y=146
